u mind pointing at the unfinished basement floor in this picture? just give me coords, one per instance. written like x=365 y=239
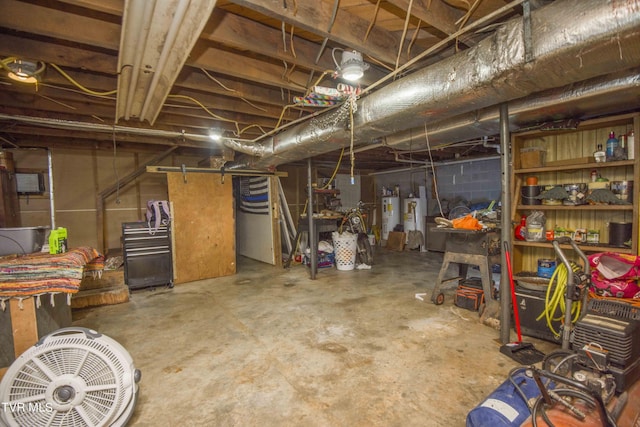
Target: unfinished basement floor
x=270 y=347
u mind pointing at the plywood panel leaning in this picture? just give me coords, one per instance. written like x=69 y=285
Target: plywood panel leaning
x=203 y=225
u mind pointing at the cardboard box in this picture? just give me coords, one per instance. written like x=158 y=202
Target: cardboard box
x=532 y=157
x=396 y=240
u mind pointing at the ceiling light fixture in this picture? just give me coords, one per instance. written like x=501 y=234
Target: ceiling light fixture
x=215 y=134
x=156 y=39
x=25 y=71
x=351 y=66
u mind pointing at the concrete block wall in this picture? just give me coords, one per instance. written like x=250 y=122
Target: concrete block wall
x=473 y=181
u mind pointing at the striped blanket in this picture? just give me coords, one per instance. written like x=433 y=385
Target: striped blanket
x=41 y=273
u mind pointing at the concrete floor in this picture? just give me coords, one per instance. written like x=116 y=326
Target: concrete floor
x=270 y=347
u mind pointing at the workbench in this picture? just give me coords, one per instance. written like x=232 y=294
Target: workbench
x=319 y=225
x=469 y=247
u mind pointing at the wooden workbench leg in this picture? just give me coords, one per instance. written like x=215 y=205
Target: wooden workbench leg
x=492 y=308
x=435 y=295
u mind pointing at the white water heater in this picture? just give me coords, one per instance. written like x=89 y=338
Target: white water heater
x=390 y=214
x=413 y=215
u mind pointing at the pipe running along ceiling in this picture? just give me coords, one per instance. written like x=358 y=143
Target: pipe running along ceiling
x=572 y=41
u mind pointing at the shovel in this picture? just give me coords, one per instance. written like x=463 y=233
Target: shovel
x=522 y=352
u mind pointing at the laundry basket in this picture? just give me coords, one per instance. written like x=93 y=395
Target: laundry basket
x=344 y=247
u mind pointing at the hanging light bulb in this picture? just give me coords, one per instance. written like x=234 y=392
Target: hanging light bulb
x=351 y=66
x=215 y=134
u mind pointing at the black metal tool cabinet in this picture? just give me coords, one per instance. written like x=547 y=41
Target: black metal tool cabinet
x=147 y=255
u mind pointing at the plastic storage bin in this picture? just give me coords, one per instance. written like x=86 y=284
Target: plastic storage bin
x=22 y=240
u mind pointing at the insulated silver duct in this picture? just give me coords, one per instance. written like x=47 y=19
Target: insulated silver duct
x=573 y=40
x=599 y=96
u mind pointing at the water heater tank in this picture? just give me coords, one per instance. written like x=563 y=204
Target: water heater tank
x=390 y=215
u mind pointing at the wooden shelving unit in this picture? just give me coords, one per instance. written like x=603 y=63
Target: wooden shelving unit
x=569 y=155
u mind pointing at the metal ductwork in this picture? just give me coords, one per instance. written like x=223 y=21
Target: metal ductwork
x=591 y=98
x=572 y=41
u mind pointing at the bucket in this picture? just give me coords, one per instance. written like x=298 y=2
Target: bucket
x=623 y=190
x=546 y=267
x=529 y=194
x=344 y=247
x=619 y=232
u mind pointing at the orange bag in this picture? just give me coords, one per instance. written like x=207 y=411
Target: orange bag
x=467 y=222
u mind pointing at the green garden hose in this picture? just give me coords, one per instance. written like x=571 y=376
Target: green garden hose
x=555 y=297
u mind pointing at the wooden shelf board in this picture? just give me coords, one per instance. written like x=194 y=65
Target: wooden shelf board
x=585 y=248
x=575 y=167
x=574 y=208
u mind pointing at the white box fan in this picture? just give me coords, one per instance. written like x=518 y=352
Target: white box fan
x=71 y=377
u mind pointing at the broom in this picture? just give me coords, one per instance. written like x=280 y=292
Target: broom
x=522 y=352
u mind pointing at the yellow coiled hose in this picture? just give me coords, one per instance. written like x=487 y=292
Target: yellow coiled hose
x=555 y=298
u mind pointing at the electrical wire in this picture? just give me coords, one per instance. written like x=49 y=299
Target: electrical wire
x=206 y=73
x=78 y=85
x=68 y=89
x=373 y=21
x=293 y=49
x=433 y=169
x=413 y=38
x=335 y=170
x=404 y=32
x=239 y=131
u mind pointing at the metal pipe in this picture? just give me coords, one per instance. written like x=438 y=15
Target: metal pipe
x=505 y=222
x=52 y=204
x=569 y=291
x=313 y=245
x=103 y=128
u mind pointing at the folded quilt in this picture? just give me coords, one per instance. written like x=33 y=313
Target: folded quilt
x=39 y=273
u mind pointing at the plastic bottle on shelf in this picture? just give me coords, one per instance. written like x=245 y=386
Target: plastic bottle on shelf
x=599 y=156
x=631 y=145
x=612 y=143
x=521 y=229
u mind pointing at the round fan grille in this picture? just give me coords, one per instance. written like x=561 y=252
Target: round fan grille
x=73 y=377
x=459 y=212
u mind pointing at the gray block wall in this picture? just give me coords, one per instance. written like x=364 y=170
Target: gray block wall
x=474 y=181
